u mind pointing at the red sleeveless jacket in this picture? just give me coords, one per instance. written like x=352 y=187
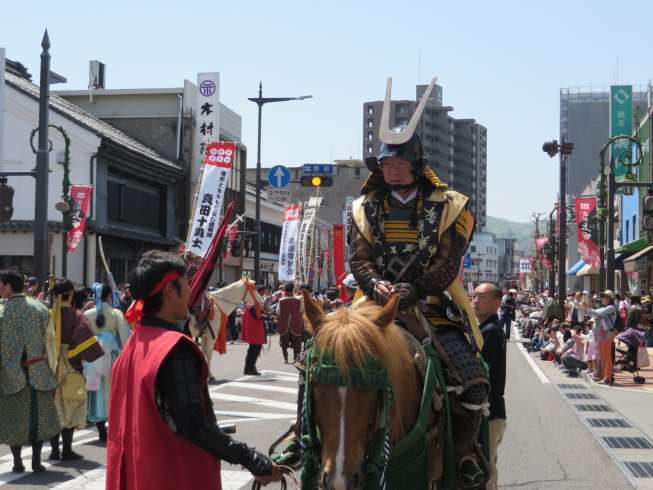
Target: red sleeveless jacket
x=143 y=452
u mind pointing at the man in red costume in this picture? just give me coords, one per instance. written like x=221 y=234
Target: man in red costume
x=164 y=434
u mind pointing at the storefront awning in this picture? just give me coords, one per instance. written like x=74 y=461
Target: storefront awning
x=588 y=270
x=632 y=247
x=639 y=254
x=576 y=267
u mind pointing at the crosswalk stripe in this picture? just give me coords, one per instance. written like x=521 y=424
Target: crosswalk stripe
x=282 y=373
x=97 y=475
x=27 y=450
x=262 y=387
x=6 y=476
x=253 y=415
x=255 y=401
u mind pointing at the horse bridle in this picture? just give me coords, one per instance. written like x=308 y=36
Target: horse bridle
x=324 y=370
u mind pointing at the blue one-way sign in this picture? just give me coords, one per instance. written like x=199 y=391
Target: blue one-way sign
x=279 y=176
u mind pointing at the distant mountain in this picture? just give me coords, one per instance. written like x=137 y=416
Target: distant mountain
x=503 y=228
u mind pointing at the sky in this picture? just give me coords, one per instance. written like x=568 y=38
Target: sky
x=499 y=62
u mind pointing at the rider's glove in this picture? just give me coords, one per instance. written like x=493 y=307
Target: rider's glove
x=380 y=299
x=408 y=294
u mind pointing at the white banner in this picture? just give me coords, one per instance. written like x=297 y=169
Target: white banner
x=207 y=117
x=524 y=266
x=306 y=251
x=288 y=249
x=210 y=196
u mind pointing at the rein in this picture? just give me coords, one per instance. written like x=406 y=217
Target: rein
x=321 y=368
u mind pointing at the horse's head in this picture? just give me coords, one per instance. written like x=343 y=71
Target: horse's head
x=348 y=414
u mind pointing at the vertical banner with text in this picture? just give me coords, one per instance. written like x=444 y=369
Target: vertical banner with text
x=586 y=231
x=621 y=123
x=306 y=231
x=210 y=196
x=80 y=199
x=288 y=248
x=541 y=246
x=207 y=117
x=339 y=253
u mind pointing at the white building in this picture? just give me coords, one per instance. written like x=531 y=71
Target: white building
x=134 y=199
x=484 y=252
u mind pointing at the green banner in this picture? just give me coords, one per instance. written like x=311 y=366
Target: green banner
x=621 y=122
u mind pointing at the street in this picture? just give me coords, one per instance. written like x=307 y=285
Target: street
x=550 y=442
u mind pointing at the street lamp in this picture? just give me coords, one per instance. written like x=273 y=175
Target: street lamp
x=260 y=101
x=607 y=269
x=552 y=148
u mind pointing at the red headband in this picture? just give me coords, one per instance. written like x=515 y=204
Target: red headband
x=135 y=312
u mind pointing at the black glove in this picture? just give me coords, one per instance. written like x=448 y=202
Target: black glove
x=258 y=464
x=408 y=294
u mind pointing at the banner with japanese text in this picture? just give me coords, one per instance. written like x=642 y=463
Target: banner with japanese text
x=524 y=266
x=288 y=248
x=80 y=200
x=541 y=245
x=621 y=123
x=207 y=118
x=211 y=189
x=586 y=230
x=339 y=253
x=306 y=231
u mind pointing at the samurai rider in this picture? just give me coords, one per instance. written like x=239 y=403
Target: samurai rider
x=409 y=233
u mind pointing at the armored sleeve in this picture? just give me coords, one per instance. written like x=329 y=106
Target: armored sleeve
x=445 y=266
x=182 y=401
x=361 y=262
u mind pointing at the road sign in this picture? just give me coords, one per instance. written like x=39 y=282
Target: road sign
x=279 y=196
x=279 y=176
x=317 y=169
x=467 y=264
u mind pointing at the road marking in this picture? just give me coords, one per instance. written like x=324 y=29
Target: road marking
x=263 y=387
x=6 y=476
x=536 y=369
x=89 y=480
x=255 y=401
x=80 y=437
x=235 y=480
x=254 y=415
x=280 y=373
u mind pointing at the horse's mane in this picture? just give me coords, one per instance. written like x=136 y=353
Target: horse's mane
x=352 y=336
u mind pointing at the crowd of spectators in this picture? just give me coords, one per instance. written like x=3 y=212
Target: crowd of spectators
x=578 y=334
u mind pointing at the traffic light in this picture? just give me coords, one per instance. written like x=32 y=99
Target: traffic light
x=6 y=200
x=316 y=181
x=235 y=248
x=647 y=210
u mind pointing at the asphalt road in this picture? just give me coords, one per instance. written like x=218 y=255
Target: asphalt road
x=547 y=445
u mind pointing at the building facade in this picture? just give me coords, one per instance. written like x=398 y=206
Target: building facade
x=125 y=174
x=455 y=148
x=484 y=254
x=585 y=121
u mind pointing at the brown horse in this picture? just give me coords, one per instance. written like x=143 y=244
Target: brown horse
x=347 y=416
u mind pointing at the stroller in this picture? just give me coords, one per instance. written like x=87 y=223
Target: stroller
x=627 y=360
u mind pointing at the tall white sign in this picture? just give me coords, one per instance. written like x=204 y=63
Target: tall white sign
x=306 y=232
x=207 y=117
x=2 y=103
x=288 y=249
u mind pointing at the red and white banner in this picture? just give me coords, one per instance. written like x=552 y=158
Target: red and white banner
x=306 y=243
x=339 y=254
x=288 y=248
x=587 y=235
x=216 y=168
x=540 y=245
x=231 y=236
x=80 y=199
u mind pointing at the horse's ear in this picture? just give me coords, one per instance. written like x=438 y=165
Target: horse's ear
x=313 y=312
x=388 y=313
